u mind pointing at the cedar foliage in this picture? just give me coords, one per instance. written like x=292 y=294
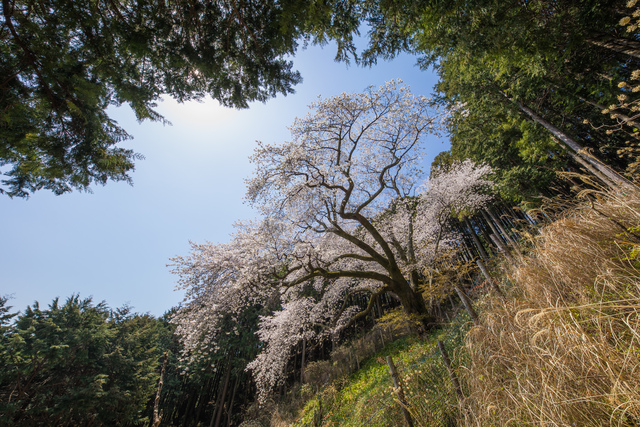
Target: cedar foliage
x=63 y=63
x=77 y=363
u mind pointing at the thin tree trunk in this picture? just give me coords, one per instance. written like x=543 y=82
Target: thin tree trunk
x=498 y=223
x=435 y=253
x=496 y=240
x=491 y=225
x=317 y=414
x=247 y=395
x=304 y=349
x=157 y=415
x=468 y=244
x=467 y=304
x=467 y=252
x=233 y=398
x=487 y=276
x=591 y=169
x=607 y=171
x=398 y=387
x=217 y=413
x=452 y=373
x=484 y=231
x=506 y=217
x=203 y=399
x=620 y=45
x=476 y=241
x=190 y=407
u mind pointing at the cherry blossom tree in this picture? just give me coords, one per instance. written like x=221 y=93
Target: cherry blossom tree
x=347 y=161
x=342 y=216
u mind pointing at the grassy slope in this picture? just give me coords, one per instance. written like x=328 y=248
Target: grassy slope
x=367 y=397
x=563 y=348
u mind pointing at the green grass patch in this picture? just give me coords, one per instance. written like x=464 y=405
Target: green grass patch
x=367 y=398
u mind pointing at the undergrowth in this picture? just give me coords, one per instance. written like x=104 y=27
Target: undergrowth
x=563 y=348
x=367 y=397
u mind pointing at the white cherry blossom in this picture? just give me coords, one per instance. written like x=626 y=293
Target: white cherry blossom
x=341 y=217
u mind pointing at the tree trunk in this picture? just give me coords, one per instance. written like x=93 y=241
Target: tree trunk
x=498 y=223
x=574 y=146
x=412 y=301
x=317 y=414
x=452 y=372
x=498 y=242
x=484 y=231
x=397 y=385
x=476 y=241
x=617 y=44
x=467 y=304
x=189 y=409
x=413 y=304
x=492 y=225
x=217 y=413
x=379 y=306
x=157 y=415
x=487 y=276
x=435 y=253
x=203 y=400
x=233 y=397
x=304 y=350
x=606 y=181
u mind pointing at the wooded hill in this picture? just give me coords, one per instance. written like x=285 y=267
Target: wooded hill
x=539 y=99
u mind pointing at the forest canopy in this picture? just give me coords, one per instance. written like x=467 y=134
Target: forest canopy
x=65 y=62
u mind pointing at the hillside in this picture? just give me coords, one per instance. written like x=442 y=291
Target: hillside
x=561 y=348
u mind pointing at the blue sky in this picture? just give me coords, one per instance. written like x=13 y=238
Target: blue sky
x=115 y=243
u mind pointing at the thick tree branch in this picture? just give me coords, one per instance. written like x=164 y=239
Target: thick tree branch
x=364 y=313
x=321 y=272
x=362 y=220
x=362 y=245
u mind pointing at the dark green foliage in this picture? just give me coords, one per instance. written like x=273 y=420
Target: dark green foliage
x=5 y=314
x=78 y=364
x=562 y=59
x=554 y=75
x=64 y=62
x=5 y=351
x=195 y=394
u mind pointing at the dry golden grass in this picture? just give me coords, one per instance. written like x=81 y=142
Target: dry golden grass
x=563 y=349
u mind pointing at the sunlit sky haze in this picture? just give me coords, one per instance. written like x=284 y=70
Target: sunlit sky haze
x=115 y=243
